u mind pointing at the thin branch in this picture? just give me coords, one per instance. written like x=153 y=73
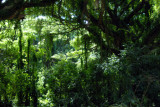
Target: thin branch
x=61 y=33
x=126 y=7
x=134 y=12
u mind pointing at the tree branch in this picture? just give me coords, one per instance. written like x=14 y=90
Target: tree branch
x=10 y=11
x=61 y=33
x=42 y=3
x=135 y=11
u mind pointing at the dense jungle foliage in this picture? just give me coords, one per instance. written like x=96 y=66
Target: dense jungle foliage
x=79 y=53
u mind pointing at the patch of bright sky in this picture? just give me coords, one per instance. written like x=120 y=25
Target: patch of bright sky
x=41 y=17
x=62 y=17
x=85 y=21
x=3 y=1
x=72 y=16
